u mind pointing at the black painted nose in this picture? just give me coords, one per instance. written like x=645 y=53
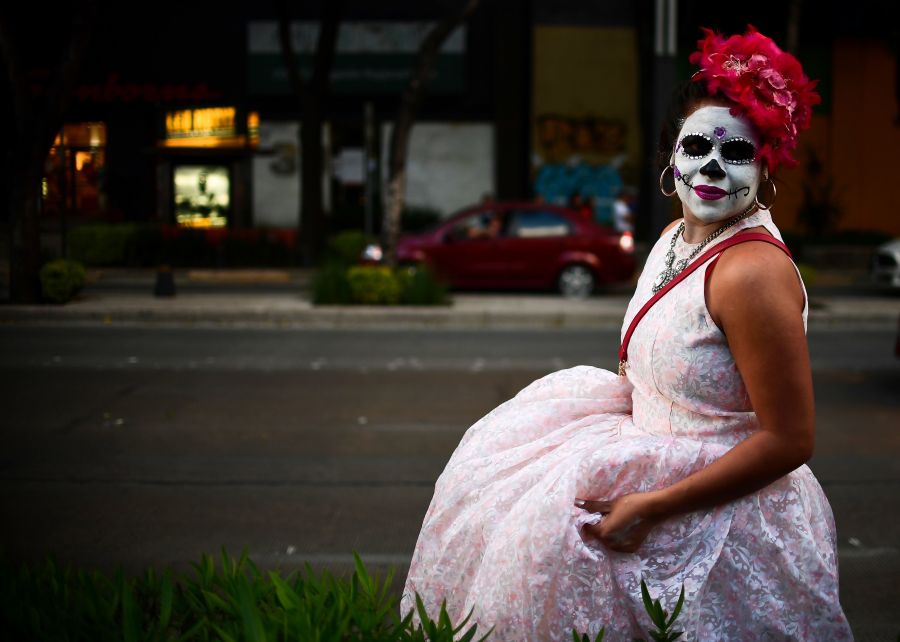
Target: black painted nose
x=712 y=169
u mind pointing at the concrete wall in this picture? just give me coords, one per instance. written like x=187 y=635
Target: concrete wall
x=276 y=175
x=450 y=165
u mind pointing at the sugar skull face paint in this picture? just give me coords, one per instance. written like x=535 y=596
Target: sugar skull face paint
x=717 y=172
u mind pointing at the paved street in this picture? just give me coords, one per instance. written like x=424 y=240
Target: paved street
x=145 y=445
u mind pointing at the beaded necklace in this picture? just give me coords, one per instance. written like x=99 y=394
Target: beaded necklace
x=672 y=269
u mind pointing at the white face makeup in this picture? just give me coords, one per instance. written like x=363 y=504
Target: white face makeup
x=717 y=171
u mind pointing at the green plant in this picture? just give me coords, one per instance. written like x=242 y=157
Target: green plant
x=374 y=284
x=663 y=632
x=419 y=286
x=233 y=600
x=61 y=280
x=347 y=247
x=100 y=243
x=331 y=286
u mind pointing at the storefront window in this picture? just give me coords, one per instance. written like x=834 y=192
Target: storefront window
x=202 y=195
x=74 y=172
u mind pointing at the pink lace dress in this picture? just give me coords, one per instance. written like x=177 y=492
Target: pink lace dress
x=502 y=537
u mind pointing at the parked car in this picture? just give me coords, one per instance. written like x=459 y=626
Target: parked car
x=522 y=246
x=886 y=264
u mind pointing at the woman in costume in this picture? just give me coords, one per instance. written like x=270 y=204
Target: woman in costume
x=686 y=469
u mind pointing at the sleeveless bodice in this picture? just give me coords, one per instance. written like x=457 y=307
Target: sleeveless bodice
x=685 y=380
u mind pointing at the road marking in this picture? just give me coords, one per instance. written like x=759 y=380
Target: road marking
x=862 y=552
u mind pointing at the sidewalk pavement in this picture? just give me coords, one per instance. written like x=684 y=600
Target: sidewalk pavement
x=280 y=298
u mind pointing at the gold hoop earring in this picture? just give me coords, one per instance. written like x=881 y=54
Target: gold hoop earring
x=765 y=206
x=662 y=178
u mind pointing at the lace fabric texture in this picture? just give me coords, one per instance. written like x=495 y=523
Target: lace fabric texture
x=503 y=539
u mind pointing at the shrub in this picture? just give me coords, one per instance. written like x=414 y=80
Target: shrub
x=419 y=286
x=61 y=280
x=347 y=247
x=233 y=602
x=334 y=283
x=330 y=285
x=100 y=243
x=374 y=284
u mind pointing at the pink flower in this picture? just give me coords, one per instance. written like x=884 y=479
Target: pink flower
x=766 y=84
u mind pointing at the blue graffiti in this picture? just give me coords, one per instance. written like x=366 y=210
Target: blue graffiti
x=557 y=183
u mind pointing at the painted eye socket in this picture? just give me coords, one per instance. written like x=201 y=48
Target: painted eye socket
x=738 y=151
x=696 y=145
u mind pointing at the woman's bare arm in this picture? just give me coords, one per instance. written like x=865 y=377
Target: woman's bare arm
x=755 y=298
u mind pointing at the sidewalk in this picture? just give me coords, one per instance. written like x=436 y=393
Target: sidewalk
x=279 y=298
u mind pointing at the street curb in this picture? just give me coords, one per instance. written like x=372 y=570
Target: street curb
x=319 y=318
x=301 y=315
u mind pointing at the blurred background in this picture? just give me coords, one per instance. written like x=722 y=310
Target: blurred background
x=186 y=186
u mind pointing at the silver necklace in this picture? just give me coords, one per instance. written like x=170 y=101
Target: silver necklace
x=672 y=269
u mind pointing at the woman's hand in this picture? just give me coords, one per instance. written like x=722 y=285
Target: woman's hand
x=626 y=521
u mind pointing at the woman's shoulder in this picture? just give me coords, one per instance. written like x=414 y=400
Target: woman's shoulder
x=754 y=269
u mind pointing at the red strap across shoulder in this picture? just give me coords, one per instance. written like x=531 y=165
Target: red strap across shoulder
x=740 y=237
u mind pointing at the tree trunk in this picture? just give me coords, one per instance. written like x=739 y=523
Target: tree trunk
x=25 y=250
x=311 y=98
x=406 y=114
x=37 y=121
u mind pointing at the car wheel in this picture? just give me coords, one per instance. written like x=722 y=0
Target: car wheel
x=576 y=282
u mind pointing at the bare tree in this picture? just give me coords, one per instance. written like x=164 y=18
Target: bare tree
x=37 y=117
x=406 y=114
x=312 y=97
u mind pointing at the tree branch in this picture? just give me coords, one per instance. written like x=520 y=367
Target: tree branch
x=287 y=51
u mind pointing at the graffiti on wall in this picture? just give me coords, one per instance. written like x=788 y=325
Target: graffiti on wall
x=557 y=183
x=561 y=136
x=579 y=155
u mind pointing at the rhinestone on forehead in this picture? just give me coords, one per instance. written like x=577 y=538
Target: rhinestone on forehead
x=719 y=132
x=740 y=162
x=702 y=135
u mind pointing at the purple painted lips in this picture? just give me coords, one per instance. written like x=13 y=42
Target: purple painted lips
x=709 y=192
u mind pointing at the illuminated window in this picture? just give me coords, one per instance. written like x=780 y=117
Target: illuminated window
x=202 y=195
x=75 y=169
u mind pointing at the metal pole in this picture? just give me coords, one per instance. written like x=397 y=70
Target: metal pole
x=369 y=166
x=664 y=79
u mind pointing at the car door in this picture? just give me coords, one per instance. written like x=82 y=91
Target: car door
x=534 y=241
x=466 y=253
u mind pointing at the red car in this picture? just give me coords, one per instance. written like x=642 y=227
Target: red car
x=522 y=245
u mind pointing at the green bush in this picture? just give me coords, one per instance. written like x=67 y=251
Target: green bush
x=336 y=284
x=347 y=247
x=235 y=601
x=330 y=285
x=419 y=286
x=100 y=243
x=61 y=280
x=232 y=601
x=374 y=285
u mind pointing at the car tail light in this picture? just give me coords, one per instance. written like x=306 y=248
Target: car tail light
x=626 y=242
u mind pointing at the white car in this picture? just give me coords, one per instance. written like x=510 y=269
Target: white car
x=886 y=264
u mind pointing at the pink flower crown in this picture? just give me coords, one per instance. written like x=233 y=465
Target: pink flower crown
x=766 y=84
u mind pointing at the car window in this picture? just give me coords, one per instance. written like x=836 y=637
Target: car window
x=484 y=224
x=537 y=224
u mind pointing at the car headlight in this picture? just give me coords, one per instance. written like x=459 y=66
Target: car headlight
x=626 y=242
x=372 y=253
